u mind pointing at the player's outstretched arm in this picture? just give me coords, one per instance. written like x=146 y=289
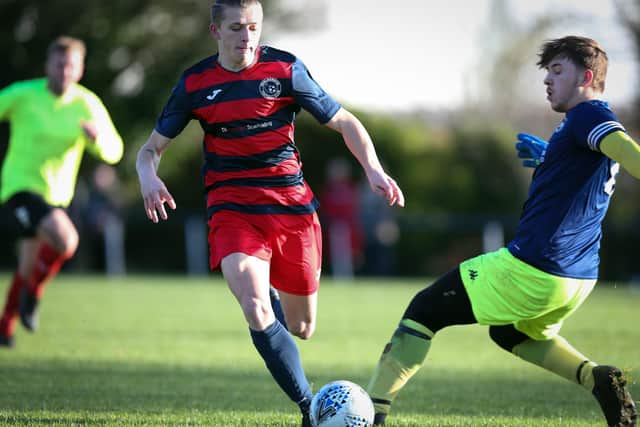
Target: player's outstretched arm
x=623 y=149
x=359 y=143
x=154 y=192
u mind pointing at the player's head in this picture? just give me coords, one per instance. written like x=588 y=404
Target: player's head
x=236 y=25
x=65 y=63
x=576 y=70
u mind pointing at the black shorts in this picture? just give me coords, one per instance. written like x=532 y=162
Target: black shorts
x=28 y=210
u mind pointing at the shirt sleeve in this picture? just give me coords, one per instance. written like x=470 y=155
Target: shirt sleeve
x=108 y=145
x=595 y=122
x=176 y=114
x=310 y=96
x=621 y=148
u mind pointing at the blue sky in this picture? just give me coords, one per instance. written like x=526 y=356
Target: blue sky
x=425 y=53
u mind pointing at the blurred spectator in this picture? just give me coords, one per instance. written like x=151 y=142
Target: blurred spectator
x=381 y=233
x=339 y=212
x=101 y=219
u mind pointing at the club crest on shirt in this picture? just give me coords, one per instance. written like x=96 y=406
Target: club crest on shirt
x=270 y=88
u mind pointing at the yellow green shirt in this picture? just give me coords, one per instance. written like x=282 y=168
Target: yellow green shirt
x=47 y=141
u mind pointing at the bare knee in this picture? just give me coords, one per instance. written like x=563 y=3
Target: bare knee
x=58 y=230
x=258 y=313
x=65 y=243
x=69 y=243
x=302 y=330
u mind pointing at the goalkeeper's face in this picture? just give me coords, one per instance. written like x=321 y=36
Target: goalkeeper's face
x=567 y=84
x=238 y=36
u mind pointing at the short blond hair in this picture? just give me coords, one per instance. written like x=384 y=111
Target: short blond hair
x=218 y=7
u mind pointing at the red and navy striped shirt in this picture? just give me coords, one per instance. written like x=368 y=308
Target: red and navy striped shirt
x=251 y=162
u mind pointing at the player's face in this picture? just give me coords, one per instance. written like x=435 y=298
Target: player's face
x=63 y=69
x=238 y=36
x=564 y=82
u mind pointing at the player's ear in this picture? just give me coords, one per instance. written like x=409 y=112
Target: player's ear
x=587 y=78
x=215 y=31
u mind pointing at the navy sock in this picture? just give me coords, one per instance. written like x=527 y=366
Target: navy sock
x=280 y=354
x=277 y=307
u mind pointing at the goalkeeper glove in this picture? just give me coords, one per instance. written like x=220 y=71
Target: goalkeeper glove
x=532 y=149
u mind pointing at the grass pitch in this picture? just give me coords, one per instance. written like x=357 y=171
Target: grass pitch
x=158 y=351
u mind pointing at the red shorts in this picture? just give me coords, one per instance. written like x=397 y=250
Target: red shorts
x=291 y=243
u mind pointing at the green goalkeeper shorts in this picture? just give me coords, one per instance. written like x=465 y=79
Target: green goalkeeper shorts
x=504 y=290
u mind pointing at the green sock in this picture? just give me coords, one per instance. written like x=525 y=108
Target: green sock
x=401 y=359
x=558 y=356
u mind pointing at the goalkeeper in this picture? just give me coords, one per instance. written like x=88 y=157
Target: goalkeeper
x=525 y=291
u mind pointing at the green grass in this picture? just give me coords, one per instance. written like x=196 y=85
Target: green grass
x=158 y=351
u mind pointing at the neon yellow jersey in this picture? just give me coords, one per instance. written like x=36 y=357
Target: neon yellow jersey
x=47 y=141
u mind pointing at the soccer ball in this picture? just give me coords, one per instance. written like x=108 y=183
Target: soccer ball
x=341 y=404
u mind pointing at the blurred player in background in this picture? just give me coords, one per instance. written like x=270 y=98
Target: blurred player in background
x=524 y=292
x=263 y=226
x=53 y=120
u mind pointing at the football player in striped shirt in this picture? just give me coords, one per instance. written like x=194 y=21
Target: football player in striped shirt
x=263 y=226
x=525 y=291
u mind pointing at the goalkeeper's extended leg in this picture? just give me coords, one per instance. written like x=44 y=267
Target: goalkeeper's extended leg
x=556 y=355
x=401 y=359
x=442 y=304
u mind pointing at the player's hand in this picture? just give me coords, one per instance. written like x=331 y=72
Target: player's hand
x=532 y=149
x=385 y=186
x=90 y=130
x=155 y=195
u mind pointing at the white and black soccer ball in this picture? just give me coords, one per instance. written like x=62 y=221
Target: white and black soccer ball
x=341 y=404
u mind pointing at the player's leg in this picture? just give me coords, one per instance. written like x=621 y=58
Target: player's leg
x=248 y=279
x=537 y=341
x=300 y=310
x=58 y=239
x=442 y=304
x=556 y=355
x=10 y=311
x=295 y=271
x=30 y=212
x=27 y=248
x=60 y=242
x=276 y=304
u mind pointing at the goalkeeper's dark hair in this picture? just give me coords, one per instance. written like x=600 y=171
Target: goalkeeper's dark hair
x=218 y=7
x=582 y=51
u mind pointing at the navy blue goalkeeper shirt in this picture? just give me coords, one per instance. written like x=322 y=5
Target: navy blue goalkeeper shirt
x=561 y=223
